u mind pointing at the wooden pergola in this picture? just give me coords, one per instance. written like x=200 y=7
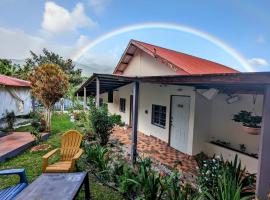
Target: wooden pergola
x=242 y=83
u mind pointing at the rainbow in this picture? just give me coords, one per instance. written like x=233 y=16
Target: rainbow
x=219 y=43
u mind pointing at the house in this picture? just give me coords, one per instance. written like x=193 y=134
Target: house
x=189 y=103
x=15 y=96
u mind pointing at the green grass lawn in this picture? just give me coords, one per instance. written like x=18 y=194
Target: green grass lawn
x=32 y=161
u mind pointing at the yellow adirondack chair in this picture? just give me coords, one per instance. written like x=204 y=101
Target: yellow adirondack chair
x=70 y=151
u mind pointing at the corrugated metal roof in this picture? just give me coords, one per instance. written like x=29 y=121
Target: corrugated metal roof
x=184 y=63
x=10 y=81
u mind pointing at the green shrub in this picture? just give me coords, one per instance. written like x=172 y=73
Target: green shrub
x=99 y=156
x=151 y=183
x=101 y=123
x=116 y=120
x=227 y=189
x=211 y=175
x=176 y=191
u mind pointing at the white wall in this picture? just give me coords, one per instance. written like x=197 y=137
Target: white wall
x=143 y=64
x=202 y=123
x=222 y=126
x=9 y=103
x=250 y=163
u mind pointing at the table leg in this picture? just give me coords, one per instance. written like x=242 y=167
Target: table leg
x=86 y=187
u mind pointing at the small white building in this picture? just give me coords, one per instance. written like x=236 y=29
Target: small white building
x=15 y=95
x=187 y=102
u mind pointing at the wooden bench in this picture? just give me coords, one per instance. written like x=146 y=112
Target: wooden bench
x=11 y=192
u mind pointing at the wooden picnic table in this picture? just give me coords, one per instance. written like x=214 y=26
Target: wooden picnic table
x=60 y=186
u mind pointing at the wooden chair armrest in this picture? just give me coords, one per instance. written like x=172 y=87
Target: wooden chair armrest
x=46 y=157
x=49 y=154
x=77 y=155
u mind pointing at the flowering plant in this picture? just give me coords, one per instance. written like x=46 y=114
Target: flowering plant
x=209 y=172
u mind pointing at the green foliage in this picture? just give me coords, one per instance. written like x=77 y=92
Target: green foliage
x=227 y=188
x=101 y=123
x=150 y=183
x=247 y=119
x=99 y=156
x=48 y=57
x=10 y=119
x=176 y=191
x=122 y=173
x=209 y=170
x=116 y=119
x=8 y=68
x=213 y=172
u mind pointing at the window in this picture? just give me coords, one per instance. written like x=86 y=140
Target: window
x=122 y=105
x=110 y=97
x=159 y=115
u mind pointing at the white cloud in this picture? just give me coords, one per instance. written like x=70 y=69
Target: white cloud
x=258 y=62
x=57 y=19
x=99 y=5
x=15 y=43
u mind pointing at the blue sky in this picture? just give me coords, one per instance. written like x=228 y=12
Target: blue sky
x=67 y=27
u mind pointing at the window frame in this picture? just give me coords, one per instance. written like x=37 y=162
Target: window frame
x=122 y=109
x=161 y=112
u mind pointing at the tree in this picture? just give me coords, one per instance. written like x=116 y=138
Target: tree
x=8 y=68
x=52 y=58
x=49 y=84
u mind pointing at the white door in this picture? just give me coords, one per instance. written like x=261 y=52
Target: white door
x=179 y=122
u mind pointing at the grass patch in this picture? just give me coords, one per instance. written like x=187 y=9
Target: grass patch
x=32 y=161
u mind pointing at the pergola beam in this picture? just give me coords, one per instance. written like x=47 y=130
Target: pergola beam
x=97 y=92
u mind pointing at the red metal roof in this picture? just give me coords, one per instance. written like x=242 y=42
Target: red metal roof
x=10 y=81
x=186 y=64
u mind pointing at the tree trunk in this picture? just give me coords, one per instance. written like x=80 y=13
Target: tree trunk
x=48 y=119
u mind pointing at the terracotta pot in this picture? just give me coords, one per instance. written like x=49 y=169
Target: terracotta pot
x=251 y=130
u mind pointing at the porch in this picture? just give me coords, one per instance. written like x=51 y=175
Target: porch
x=159 y=151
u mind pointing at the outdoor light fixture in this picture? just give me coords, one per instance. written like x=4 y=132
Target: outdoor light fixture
x=232 y=99
x=209 y=93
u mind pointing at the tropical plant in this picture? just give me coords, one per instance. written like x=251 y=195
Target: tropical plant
x=247 y=119
x=122 y=174
x=49 y=84
x=227 y=189
x=238 y=172
x=99 y=156
x=116 y=120
x=215 y=169
x=36 y=132
x=10 y=119
x=208 y=173
x=151 y=183
x=101 y=123
x=176 y=191
x=8 y=68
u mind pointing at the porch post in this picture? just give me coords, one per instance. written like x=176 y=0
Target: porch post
x=97 y=92
x=135 y=120
x=84 y=98
x=263 y=175
x=77 y=96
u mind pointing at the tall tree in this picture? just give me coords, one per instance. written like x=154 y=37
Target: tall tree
x=8 y=68
x=49 y=84
x=48 y=57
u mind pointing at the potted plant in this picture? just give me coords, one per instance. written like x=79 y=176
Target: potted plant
x=251 y=123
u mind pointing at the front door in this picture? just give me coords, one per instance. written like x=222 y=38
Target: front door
x=180 y=108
